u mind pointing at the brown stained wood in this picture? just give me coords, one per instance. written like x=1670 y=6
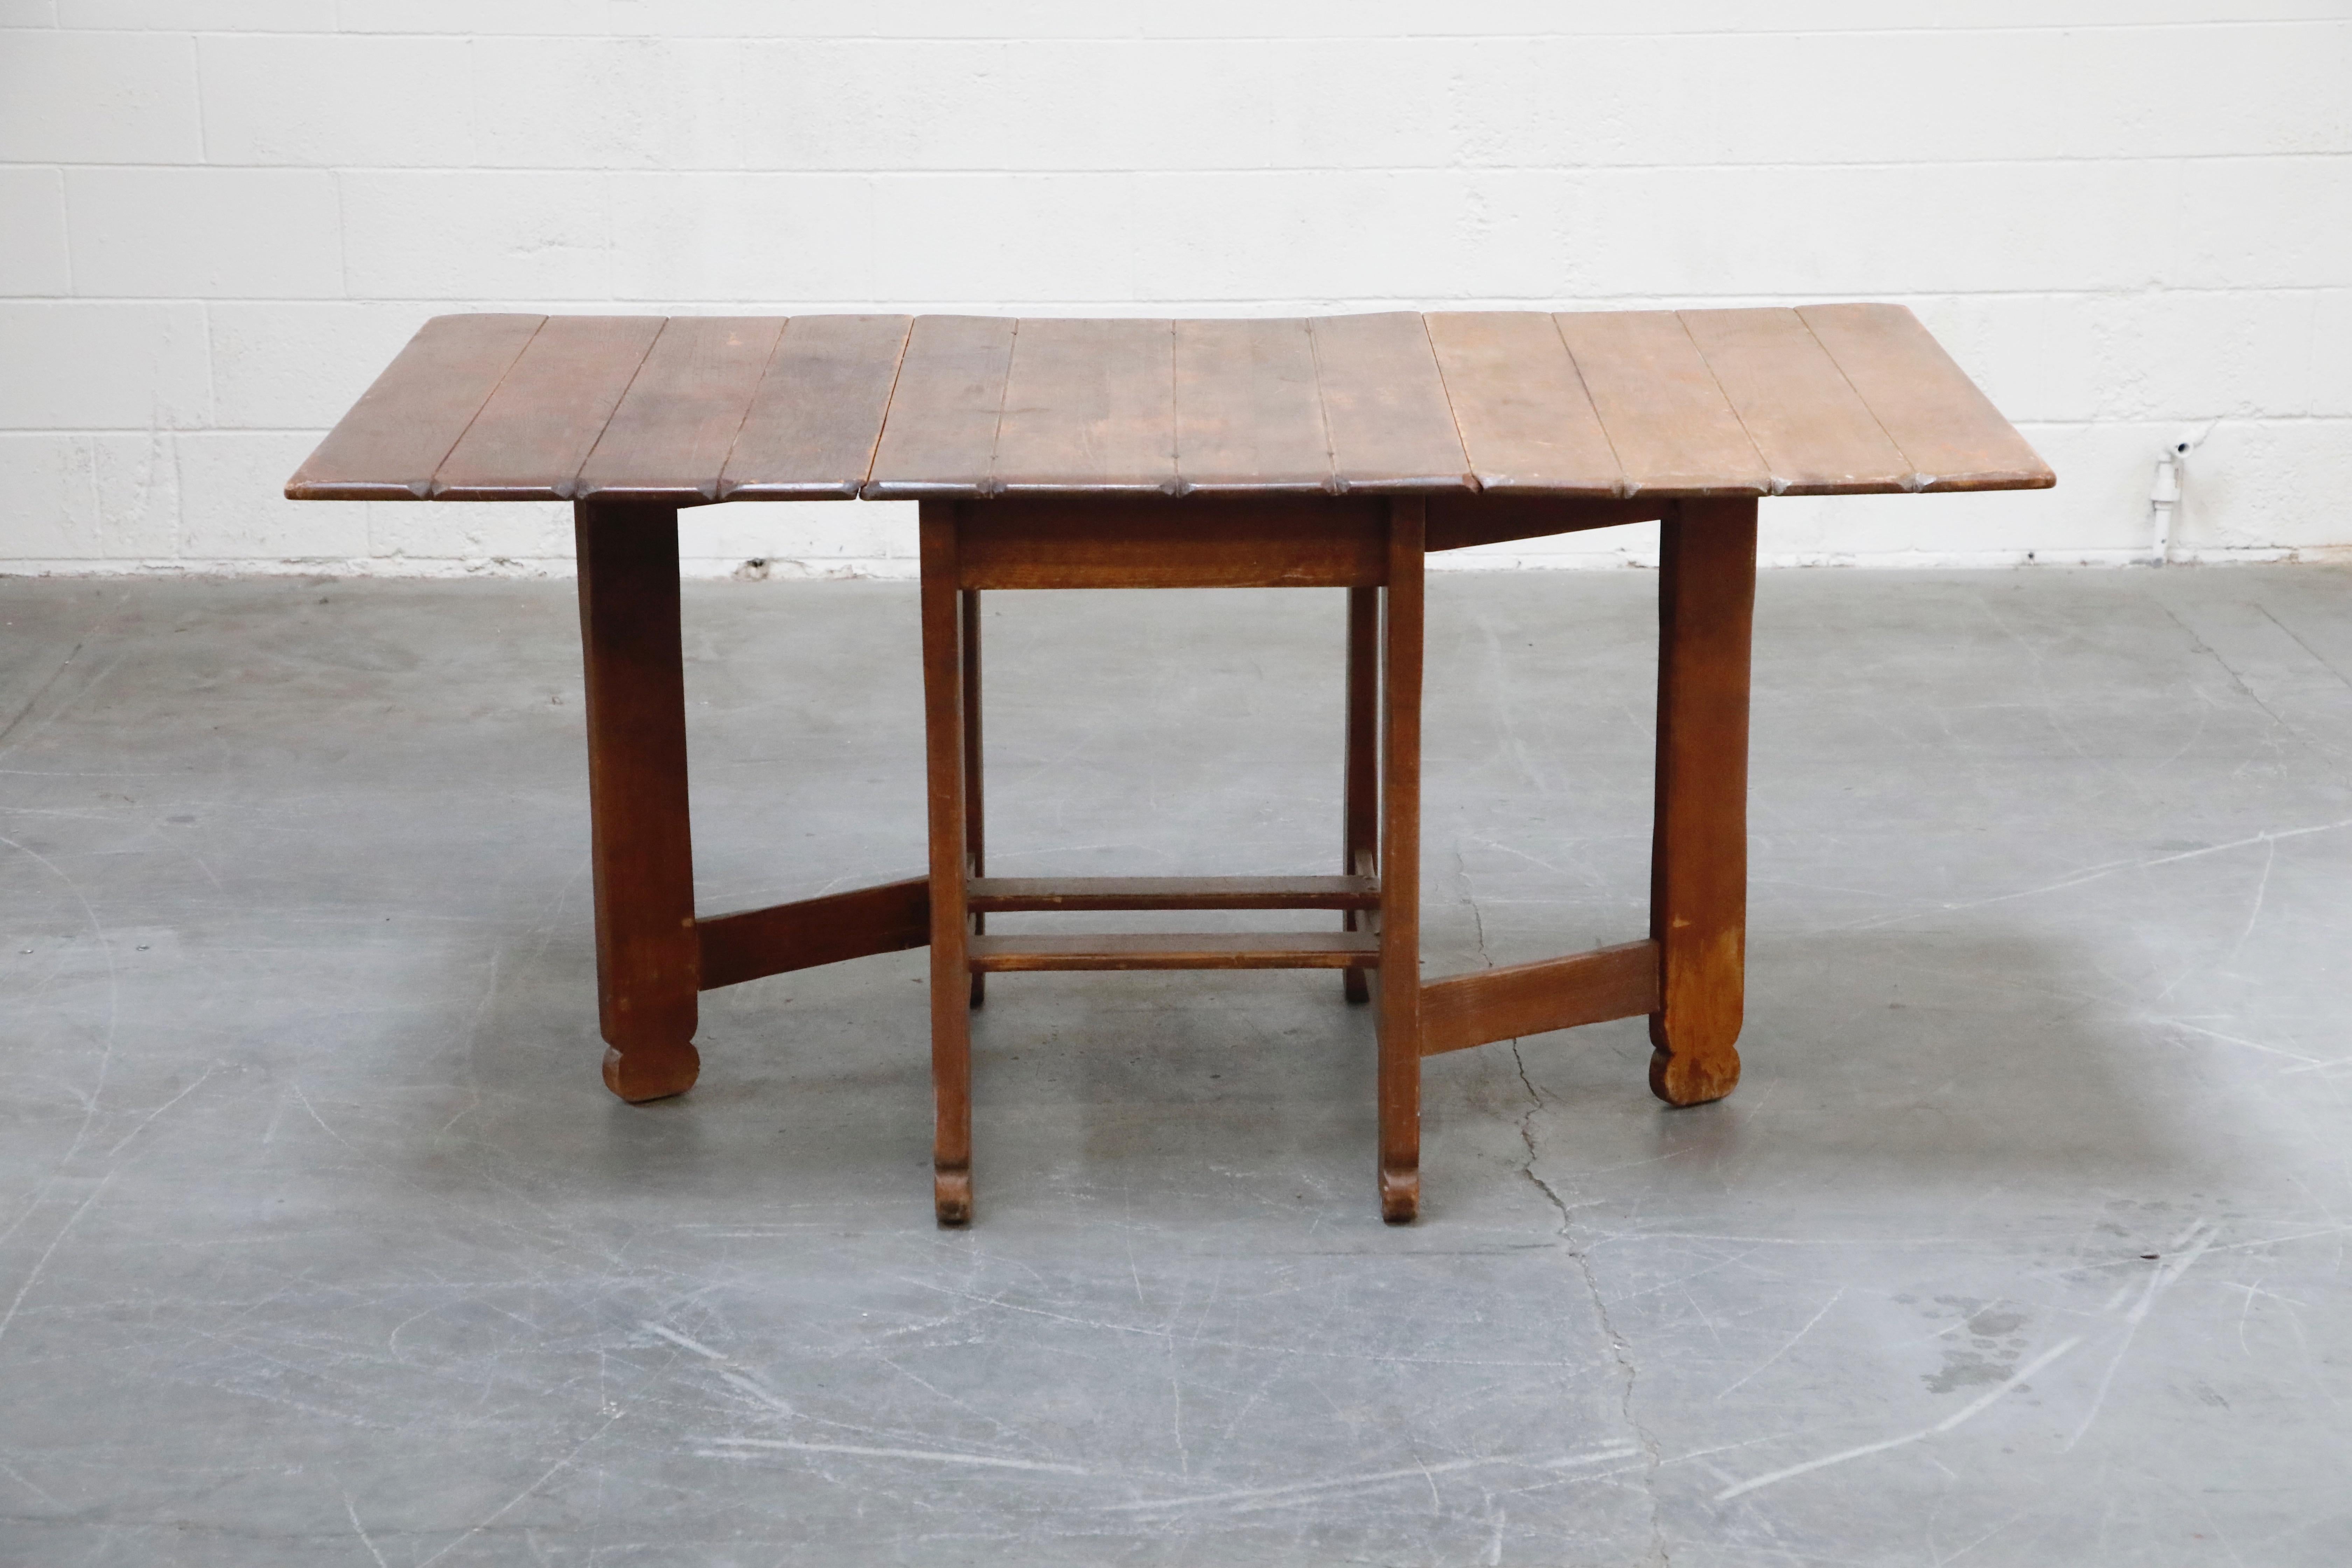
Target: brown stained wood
x=1268 y=542
x=1400 y=858
x=939 y=437
x=751 y=943
x=1673 y=431
x=387 y=447
x=975 y=816
x=1814 y=433
x=1949 y=432
x=675 y=425
x=995 y=894
x=1465 y=1010
x=641 y=853
x=1359 y=839
x=950 y=990
x=1458 y=522
x=1176 y=949
x=539 y=426
x=1384 y=405
x=1699 y=857
x=1248 y=416
x=1526 y=423
x=817 y=415
x=1089 y=408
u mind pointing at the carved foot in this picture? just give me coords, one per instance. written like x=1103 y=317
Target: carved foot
x=1691 y=1078
x=1400 y=1195
x=651 y=1072
x=951 y=1196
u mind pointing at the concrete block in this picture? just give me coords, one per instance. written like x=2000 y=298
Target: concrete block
x=129 y=366
x=96 y=99
x=232 y=233
x=50 y=510
x=2329 y=348
x=29 y=12
x=462 y=536
x=798 y=539
x=234 y=509
x=201 y=16
x=33 y=240
x=1015 y=239
x=279 y=364
x=753 y=238
x=568 y=103
x=477 y=235
x=334 y=102
x=2262 y=484
x=137 y=476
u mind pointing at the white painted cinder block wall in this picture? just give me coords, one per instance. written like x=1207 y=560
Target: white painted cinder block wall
x=218 y=218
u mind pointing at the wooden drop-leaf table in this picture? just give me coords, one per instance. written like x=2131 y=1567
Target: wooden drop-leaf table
x=1056 y=453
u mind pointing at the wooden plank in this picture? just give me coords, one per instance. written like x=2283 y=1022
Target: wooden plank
x=781 y=938
x=1384 y=405
x=1698 y=850
x=387 y=447
x=994 y=894
x=1814 y=433
x=944 y=756
x=1672 y=430
x=1270 y=542
x=817 y=415
x=531 y=438
x=1457 y=522
x=940 y=432
x=1089 y=409
x=1948 y=430
x=1464 y=1010
x=1526 y=423
x=675 y=425
x=1248 y=416
x=640 y=849
x=1399 y=998
x=1176 y=949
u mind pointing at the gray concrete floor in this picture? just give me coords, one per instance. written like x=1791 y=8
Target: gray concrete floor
x=2023 y=1241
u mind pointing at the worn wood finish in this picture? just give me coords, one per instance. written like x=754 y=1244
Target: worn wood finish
x=939 y=438
x=950 y=934
x=1947 y=429
x=1465 y=1010
x=1671 y=426
x=389 y=445
x=995 y=894
x=678 y=420
x=641 y=856
x=1400 y=859
x=1458 y=522
x=1089 y=408
x=817 y=414
x=539 y=426
x=1699 y=857
x=1526 y=423
x=1177 y=949
x=751 y=943
x=1249 y=413
x=1813 y=431
x=975 y=816
x=1271 y=541
x=1359 y=834
x=1385 y=406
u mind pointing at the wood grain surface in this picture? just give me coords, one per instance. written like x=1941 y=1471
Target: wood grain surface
x=1590 y=405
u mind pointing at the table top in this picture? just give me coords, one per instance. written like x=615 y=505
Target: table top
x=1819 y=400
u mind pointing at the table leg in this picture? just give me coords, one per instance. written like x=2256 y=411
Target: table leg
x=1400 y=863
x=944 y=695
x=1362 y=827
x=647 y=955
x=974 y=817
x=1699 y=857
